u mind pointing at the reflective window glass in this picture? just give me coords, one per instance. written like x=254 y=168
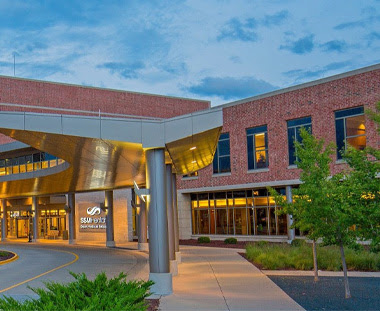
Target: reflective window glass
x=221 y=162
x=350 y=129
x=294 y=128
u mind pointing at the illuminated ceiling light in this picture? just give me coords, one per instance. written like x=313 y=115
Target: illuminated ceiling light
x=193 y=161
x=193 y=148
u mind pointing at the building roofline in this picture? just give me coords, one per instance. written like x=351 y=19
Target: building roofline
x=302 y=86
x=103 y=88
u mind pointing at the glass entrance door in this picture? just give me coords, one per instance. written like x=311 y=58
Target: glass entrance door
x=22 y=228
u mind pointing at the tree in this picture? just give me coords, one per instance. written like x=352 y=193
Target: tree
x=320 y=206
x=310 y=207
x=362 y=180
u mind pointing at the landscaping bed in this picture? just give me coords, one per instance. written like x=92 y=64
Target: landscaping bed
x=212 y=243
x=286 y=257
x=4 y=255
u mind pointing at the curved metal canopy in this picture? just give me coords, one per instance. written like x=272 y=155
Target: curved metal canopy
x=106 y=153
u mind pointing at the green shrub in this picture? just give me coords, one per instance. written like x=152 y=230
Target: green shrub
x=204 y=239
x=83 y=294
x=282 y=256
x=261 y=243
x=375 y=248
x=230 y=241
x=298 y=242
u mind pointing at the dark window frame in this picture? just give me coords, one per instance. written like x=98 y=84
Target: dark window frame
x=216 y=164
x=293 y=128
x=252 y=149
x=341 y=117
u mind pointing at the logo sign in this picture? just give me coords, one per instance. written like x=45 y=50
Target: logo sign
x=91 y=218
x=93 y=211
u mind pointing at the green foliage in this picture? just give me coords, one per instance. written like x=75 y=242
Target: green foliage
x=281 y=256
x=83 y=294
x=261 y=243
x=230 y=241
x=3 y=254
x=298 y=242
x=204 y=239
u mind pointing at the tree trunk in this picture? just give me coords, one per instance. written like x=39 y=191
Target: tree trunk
x=346 y=285
x=315 y=261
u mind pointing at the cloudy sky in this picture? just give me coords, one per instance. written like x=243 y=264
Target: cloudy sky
x=217 y=50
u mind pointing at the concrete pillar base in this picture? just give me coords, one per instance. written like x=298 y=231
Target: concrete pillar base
x=110 y=244
x=4 y=240
x=178 y=257
x=290 y=241
x=163 y=283
x=35 y=240
x=72 y=242
x=174 y=267
x=143 y=247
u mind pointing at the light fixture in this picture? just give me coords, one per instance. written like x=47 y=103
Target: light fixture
x=193 y=148
x=193 y=161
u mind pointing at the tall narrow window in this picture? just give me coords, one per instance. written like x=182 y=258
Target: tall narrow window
x=294 y=127
x=350 y=129
x=257 y=147
x=221 y=163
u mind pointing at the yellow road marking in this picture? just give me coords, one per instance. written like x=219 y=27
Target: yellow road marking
x=47 y=272
x=14 y=258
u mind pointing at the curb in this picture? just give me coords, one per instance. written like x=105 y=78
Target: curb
x=14 y=258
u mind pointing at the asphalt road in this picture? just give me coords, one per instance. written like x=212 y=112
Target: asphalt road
x=40 y=263
x=328 y=293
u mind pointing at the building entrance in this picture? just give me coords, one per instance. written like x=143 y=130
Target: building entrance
x=23 y=227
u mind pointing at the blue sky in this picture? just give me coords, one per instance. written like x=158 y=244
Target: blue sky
x=217 y=50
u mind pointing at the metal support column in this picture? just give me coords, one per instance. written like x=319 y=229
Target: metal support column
x=71 y=205
x=170 y=211
x=158 y=223
x=176 y=227
x=108 y=203
x=142 y=229
x=35 y=218
x=289 y=218
x=4 y=220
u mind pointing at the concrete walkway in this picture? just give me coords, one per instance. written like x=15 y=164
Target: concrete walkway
x=220 y=279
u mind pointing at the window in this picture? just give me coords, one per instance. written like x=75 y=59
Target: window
x=294 y=127
x=257 y=147
x=350 y=129
x=221 y=163
x=242 y=212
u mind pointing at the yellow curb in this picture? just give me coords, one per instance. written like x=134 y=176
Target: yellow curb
x=14 y=258
x=47 y=272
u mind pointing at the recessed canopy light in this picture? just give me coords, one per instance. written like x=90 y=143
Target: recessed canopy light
x=193 y=148
x=194 y=161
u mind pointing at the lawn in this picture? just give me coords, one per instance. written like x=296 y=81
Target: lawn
x=283 y=256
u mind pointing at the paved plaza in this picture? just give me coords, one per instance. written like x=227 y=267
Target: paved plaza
x=209 y=278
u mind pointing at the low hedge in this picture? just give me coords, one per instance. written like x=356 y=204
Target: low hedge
x=230 y=241
x=204 y=239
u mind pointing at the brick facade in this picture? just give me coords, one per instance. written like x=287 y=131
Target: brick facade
x=56 y=95
x=318 y=101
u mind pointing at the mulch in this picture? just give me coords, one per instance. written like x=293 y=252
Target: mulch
x=7 y=256
x=153 y=304
x=194 y=242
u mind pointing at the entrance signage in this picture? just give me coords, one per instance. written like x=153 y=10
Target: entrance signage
x=92 y=218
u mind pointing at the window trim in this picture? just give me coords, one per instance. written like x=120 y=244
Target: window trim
x=294 y=127
x=344 y=114
x=223 y=137
x=251 y=134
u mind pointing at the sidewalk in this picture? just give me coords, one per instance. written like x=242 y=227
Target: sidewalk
x=220 y=279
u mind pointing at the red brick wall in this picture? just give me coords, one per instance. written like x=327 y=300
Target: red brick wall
x=319 y=102
x=47 y=94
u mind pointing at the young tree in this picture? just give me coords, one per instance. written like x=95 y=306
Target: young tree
x=320 y=206
x=310 y=207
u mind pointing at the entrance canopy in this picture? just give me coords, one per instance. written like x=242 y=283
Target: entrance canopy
x=106 y=153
